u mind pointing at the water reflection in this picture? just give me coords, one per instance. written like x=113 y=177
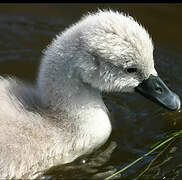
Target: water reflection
x=137 y=122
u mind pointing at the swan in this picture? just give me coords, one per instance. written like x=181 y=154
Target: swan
x=63 y=116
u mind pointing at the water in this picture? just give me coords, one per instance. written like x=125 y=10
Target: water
x=25 y=30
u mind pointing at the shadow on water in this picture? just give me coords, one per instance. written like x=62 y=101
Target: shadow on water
x=137 y=123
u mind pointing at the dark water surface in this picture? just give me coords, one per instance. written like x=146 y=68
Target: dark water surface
x=25 y=30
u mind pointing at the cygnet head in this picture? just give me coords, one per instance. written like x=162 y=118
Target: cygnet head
x=105 y=51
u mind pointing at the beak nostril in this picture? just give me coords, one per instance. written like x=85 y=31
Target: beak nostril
x=158 y=89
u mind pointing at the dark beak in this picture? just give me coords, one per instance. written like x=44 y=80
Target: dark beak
x=155 y=89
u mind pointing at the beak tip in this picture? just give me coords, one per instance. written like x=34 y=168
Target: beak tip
x=175 y=103
x=178 y=103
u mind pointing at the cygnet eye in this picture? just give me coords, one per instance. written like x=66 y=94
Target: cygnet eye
x=131 y=70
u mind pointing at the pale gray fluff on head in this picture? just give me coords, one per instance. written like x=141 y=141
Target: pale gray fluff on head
x=97 y=51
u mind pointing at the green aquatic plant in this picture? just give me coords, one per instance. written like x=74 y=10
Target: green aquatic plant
x=154 y=147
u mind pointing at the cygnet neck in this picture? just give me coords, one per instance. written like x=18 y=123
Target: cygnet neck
x=77 y=96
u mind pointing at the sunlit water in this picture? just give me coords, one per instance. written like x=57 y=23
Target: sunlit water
x=137 y=123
